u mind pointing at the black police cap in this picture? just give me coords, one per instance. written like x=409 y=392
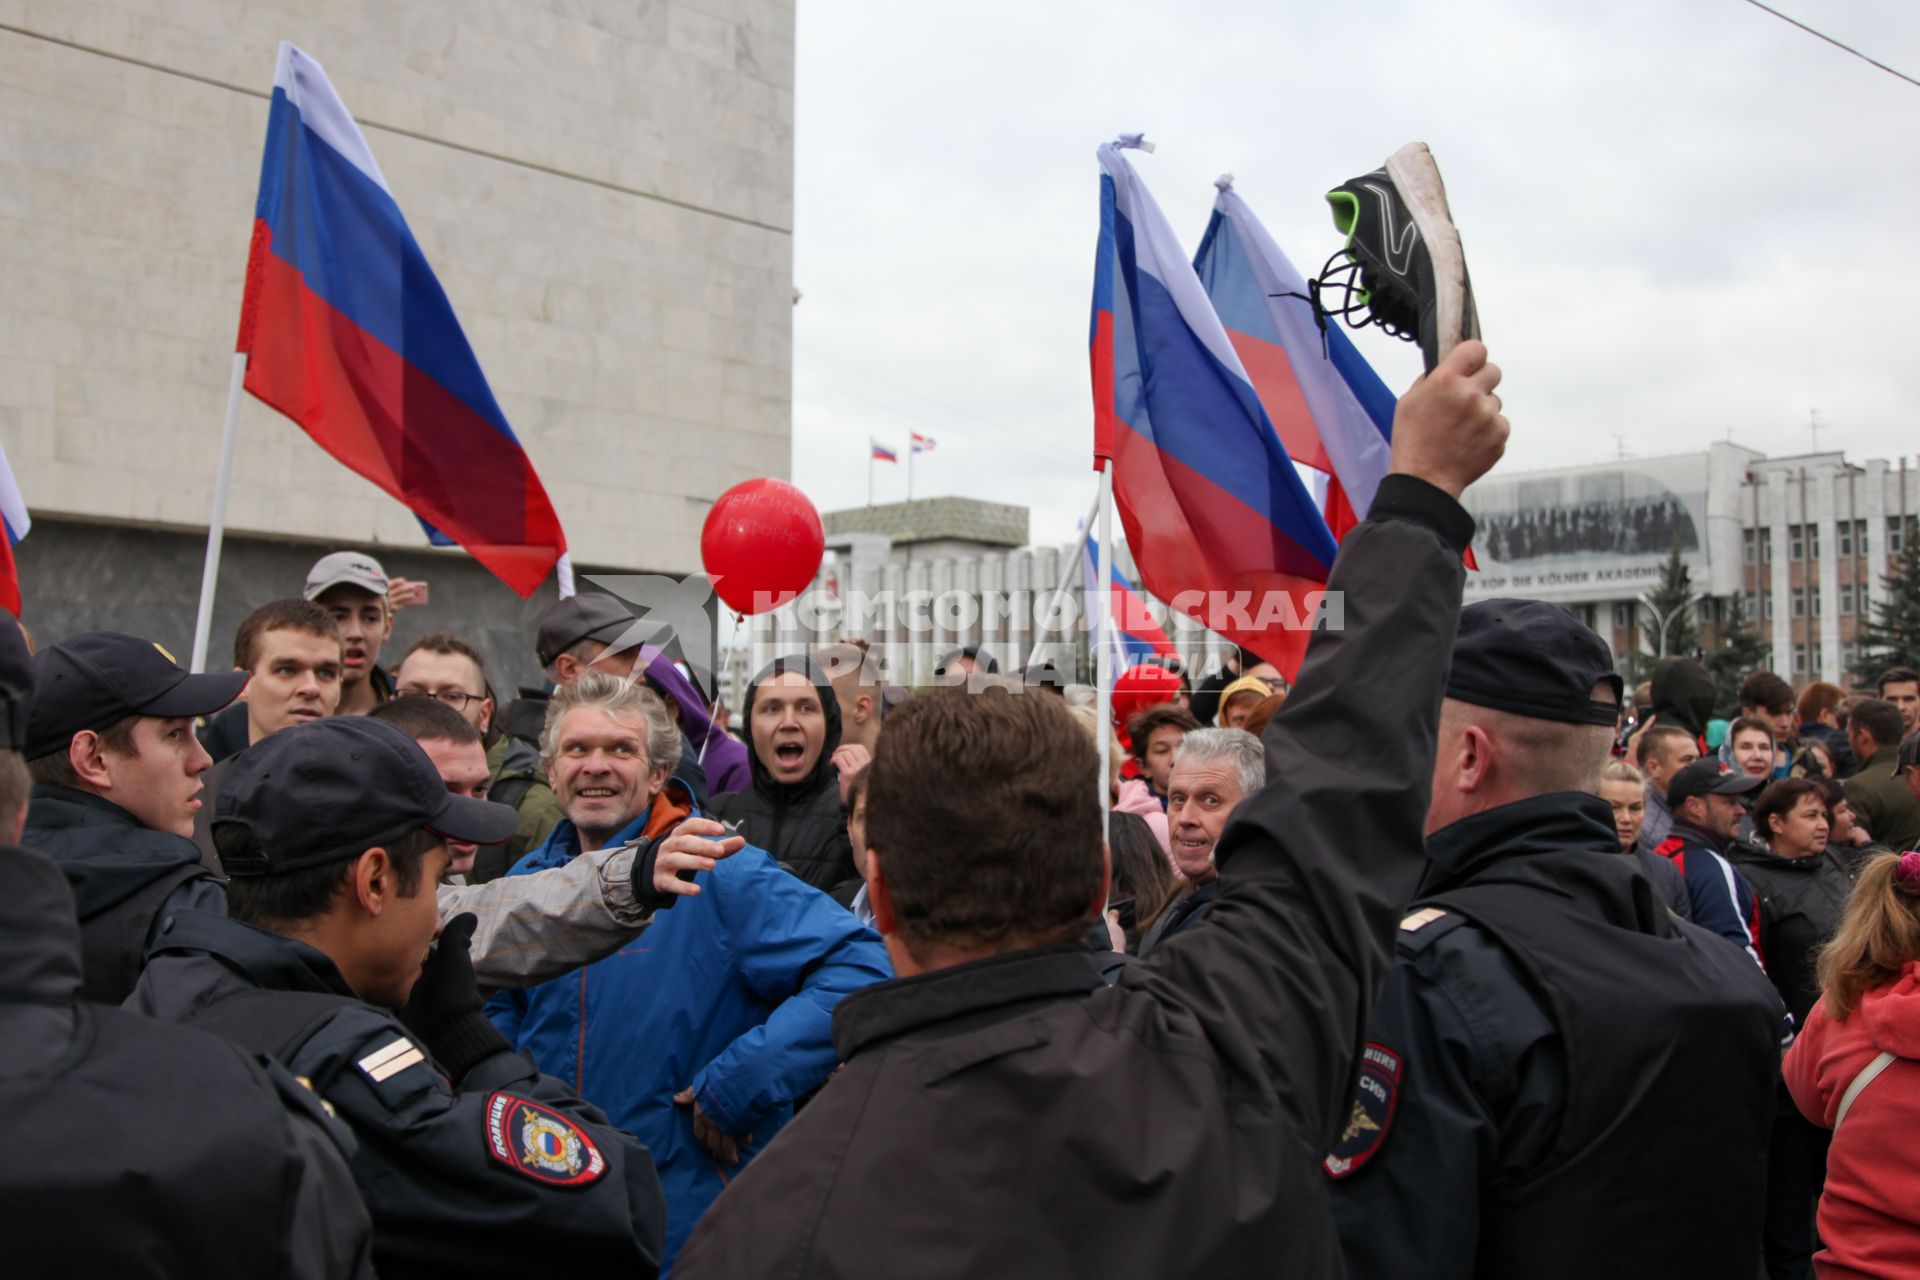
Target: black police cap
x=99 y=678
x=1709 y=777
x=16 y=685
x=1533 y=659
x=322 y=792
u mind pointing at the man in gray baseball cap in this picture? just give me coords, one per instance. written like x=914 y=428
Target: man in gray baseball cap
x=594 y=631
x=352 y=586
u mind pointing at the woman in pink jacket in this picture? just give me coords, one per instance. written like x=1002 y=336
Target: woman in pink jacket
x=1856 y=1070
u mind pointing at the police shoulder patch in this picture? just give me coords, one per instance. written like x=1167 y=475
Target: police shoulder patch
x=540 y=1143
x=1376 y=1096
x=1421 y=919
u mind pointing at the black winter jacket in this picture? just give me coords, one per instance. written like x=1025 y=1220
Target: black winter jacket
x=1020 y=1117
x=802 y=824
x=1801 y=902
x=178 y=1153
x=126 y=880
x=1550 y=1033
x=506 y=1173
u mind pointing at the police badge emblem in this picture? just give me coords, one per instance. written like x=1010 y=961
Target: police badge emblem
x=1375 y=1096
x=539 y=1143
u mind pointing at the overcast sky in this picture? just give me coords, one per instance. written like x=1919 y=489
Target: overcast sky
x=1683 y=218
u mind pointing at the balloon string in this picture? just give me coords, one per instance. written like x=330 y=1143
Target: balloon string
x=712 y=711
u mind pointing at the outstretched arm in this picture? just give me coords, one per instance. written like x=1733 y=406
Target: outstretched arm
x=1317 y=867
x=536 y=927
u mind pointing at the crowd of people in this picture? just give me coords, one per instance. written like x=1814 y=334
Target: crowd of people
x=1622 y=527
x=1452 y=957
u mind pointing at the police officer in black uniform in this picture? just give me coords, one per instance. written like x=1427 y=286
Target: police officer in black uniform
x=141 y=1149
x=471 y=1161
x=1561 y=1078
x=116 y=769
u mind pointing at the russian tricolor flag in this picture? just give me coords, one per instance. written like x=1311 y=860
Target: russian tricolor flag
x=13 y=509
x=348 y=333
x=1207 y=493
x=1134 y=635
x=881 y=452
x=1332 y=411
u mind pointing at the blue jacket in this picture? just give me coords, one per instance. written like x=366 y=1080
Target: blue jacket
x=1723 y=901
x=731 y=992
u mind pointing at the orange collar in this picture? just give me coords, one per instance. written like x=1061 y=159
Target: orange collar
x=667 y=813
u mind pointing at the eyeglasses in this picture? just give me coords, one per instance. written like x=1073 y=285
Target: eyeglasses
x=452 y=697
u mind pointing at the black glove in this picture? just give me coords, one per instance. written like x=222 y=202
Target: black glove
x=645 y=851
x=444 y=1009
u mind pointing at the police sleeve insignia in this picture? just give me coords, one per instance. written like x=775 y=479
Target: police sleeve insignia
x=1375 y=1097
x=539 y=1143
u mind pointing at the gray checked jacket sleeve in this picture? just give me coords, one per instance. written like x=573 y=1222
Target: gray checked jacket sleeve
x=537 y=927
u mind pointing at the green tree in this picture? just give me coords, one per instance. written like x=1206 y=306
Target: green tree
x=1739 y=653
x=1891 y=637
x=1667 y=614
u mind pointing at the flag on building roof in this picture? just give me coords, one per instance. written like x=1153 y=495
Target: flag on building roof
x=1133 y=635
x=922 y=444
x=13 y=510
x=348 y=333
x=882 y=452
x=1207 y=493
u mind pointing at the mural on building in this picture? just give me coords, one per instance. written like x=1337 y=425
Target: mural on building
x=1613 y=514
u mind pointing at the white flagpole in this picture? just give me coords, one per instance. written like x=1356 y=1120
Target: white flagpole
x=1103 y=619
x=1067 y=570
x=217 y=526
x=869 y=473
x=911 y=450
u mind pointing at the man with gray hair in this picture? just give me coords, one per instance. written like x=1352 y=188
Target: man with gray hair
x=1213 y=771
x=700 y=1041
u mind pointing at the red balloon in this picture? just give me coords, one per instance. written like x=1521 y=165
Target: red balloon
x=761 y=545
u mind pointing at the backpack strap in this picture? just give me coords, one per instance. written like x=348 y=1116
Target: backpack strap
x=511 y=791
x=1867 y=1075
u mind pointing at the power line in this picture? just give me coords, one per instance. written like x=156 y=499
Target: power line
x=1835 y=43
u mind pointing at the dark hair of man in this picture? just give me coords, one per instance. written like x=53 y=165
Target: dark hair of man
x=55 y=769
x=447 y=642
x=1767 y=691
x=1817 y=699
x=1831 y=792
x=857 y=788
x=15 y=786
x=1878 y=719
x=983 y=661
x=276 y=903
x=1896 y=675
x=1654 y=741
x=280 y=615
x=426 y=719
x=1144 y=724
x=1140 y=869
x=983 y=811
x=1746 y=723
x=1780 y=799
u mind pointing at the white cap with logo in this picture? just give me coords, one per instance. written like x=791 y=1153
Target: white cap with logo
x=349 y=569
